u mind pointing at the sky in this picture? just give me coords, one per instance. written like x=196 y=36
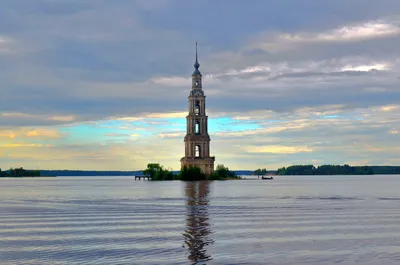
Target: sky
x=103 y=85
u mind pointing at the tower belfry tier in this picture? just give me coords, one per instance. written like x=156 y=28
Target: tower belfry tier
x=197 y=139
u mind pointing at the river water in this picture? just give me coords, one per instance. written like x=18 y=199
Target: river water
x=117 y=220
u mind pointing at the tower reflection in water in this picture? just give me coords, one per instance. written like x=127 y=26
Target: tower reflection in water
x=197 y=233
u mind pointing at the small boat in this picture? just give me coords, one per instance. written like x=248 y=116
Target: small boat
x=267 y=177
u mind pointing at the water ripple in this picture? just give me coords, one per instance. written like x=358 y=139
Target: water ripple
x=100 y=221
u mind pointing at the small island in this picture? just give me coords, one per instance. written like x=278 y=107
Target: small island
x=156 y=172
x=20 y=173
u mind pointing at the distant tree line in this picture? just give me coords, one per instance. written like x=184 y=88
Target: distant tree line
x=261 y=172
x=337 y=170
x=19 y=172
x=109 y=173
x=221 y=172
x=69 y=173
x=188 y=173
x=386 y=169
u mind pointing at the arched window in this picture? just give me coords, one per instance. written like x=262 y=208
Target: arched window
x=197 y=83
x=197 y=127
x=197 y=108
x=198 y=151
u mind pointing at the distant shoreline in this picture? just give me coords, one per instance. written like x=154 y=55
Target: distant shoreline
x=376 y=170
x=296 y=170
x=17 y=177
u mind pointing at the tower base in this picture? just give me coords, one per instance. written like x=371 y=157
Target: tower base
x=206 y=164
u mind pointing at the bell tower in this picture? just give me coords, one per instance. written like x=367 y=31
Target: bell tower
x=197 y=140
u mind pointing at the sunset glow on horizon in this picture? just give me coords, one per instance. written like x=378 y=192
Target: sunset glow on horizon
x=100 y=85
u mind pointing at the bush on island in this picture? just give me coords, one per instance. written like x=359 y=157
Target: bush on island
x=191 y=173
x=188 y=173
x=157 y=172
x=223 y=173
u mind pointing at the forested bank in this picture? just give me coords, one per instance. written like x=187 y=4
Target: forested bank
x=291 y=170
x=19 y=172
x=337 y=170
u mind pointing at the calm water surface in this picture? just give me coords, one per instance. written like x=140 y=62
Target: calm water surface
x=117 y=220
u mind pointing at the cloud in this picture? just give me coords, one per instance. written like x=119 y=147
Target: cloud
x=175 y=135
x=17 y=145
x=366 y=68
x=111 y=81
x=25 y=134
x=5 y=45
x=331 y=133
x=389 y=108
x=68 y=118
x=7 y=134
x=347 y=33
x=43 y=133
x=171 y=81
x=166 y=115
x=28 y=119
x=275 y=149
x=367 y=30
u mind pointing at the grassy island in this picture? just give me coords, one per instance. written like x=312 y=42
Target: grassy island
x=192 y=173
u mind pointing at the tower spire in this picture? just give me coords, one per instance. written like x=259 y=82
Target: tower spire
x=196 y=53
x=196 y=64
